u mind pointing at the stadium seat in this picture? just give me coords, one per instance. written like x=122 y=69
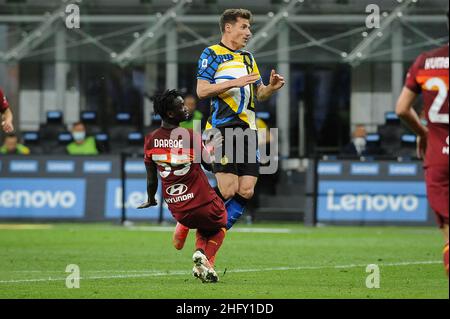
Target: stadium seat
x=155 y=123
x=50 y=130
x=64 y=139
x=102 y=142
x=373 y=146
x=408 y=146
x=119 y=133
x=135 y=144
x=90 y=120
x=390 y=134
x=32 y=140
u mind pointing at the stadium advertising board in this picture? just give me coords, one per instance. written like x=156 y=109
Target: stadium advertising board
x=40 y=197
x=371 y=192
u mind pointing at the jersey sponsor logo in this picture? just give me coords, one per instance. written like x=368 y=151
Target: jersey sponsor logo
x=204 y=63
x=173 y=200
x=226 y=58
x=164 y=143
x=176 y=189
x=436 y=63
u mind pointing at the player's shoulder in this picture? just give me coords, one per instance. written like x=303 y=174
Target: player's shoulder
x=211 y=50
x=437 y=53
x=218 y=49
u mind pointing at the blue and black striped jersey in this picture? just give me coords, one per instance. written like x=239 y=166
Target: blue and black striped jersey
x=236 y=106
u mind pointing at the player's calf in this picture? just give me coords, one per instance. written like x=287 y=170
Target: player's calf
x=179 y=236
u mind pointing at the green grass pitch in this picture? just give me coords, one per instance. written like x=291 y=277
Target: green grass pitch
x=261 y=261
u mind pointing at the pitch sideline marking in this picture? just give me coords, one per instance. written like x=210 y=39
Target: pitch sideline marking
x=179 y=272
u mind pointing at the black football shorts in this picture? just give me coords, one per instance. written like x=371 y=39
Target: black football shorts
x=238 y=153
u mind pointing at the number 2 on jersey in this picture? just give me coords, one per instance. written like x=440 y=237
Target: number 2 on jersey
x=438 y=103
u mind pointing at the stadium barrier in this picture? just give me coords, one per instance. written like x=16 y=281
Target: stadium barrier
x=355 y=192
x=75 y=188
x=89 y=188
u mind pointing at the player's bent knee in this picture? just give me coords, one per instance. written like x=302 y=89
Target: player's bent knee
x=247 y=193
x=229 y=192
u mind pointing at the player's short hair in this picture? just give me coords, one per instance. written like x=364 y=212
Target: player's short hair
x=165 y=102
x=231 y=16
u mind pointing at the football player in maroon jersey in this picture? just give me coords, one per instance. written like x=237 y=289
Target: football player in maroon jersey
x=429 y=76
x=173 y=153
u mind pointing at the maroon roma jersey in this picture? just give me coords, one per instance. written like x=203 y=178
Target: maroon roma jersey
x=3 y=102
x=184 y=184
x=429 y=76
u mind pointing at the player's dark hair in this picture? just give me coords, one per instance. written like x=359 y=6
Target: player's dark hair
x=165 y=102
x=231 y=16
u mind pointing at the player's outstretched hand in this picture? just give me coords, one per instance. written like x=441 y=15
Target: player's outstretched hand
x=148 y=204
x=7 y=126
x=276 y=80
x=246 y=79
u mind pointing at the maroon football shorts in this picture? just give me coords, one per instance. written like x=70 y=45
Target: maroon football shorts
x=210 y=217
x=436 y=178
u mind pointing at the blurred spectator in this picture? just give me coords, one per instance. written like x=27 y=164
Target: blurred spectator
x=12 y=146
x=82 y=144
x=359 y=146
x=191 y=103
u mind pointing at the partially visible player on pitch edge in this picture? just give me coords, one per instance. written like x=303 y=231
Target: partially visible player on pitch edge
x=6 y=116
x=174 y=153
x=230 y=77
x=429 y=76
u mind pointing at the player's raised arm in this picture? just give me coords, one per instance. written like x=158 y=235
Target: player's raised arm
x=7 y=121
x=206 y=89
x=276 y=82
x=152 y=185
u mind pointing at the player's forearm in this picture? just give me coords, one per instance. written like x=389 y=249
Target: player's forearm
x=152 y=187
x=206 y=90
x=152 y=181
x=7 y=115
x=412 y=120
x=264 y=92
x=406 y=113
